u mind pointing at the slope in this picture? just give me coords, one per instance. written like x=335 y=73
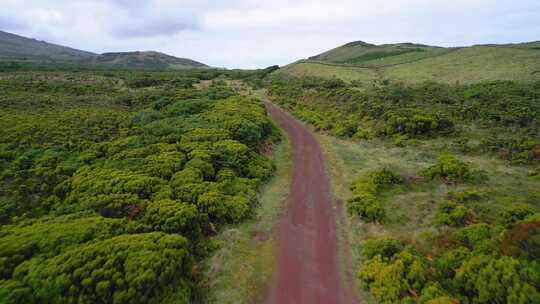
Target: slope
x=148 y=59
x=14 y=47
x=414 y=63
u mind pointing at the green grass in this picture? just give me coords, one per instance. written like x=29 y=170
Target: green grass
x=464 y=65
x=346 y=73
x=470 y=65
x=241 y=269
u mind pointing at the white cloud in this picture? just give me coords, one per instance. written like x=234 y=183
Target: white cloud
x=258 y=33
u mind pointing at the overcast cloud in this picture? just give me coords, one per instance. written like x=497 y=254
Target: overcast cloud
x=259 y=33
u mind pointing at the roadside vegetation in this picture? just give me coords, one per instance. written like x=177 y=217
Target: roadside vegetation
x=440 y=184
x=115 y=183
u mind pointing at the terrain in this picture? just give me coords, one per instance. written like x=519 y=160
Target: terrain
x=14 y=48
x=398 y=173
x=114 y=184
x=416 y=63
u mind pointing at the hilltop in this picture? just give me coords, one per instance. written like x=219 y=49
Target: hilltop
x=412 y=62
x=21 y=49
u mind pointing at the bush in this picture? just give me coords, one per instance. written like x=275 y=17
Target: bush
x=390 y=281
x=366 y=206
x=385 y=177
x=449 y=169
x=475 y=236
x=513 y=214
x=127 y=268
x=451 y=214
x=384 y=247
x=491 y=279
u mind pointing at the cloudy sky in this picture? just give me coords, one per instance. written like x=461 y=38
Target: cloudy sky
x=259 y=33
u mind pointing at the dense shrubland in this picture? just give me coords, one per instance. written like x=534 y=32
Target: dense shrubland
x=496 y=117
x=113 y=182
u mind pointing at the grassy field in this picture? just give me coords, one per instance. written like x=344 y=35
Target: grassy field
x=463 y=65
x=241 y=269
x=303 y=69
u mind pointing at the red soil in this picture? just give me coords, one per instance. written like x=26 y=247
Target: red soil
x=308 y=268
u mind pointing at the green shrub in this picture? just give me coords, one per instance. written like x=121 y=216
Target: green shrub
x=451 y=214
x=449 y=169
x=513 y=214
x=384 y=247
x=385 y=177
x=127 y=268
x=390 y=281
x=366 y=206
x=451 y=260
x=476 y=236
x=491 y=279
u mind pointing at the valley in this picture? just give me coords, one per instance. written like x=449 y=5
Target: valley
x=393 y=173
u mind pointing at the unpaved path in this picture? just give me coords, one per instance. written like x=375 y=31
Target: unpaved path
x=308 y=269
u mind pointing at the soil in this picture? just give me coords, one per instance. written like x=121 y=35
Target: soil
x=308 y=267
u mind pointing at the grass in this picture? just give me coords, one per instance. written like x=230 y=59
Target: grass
x=463 y=65
x=470 y=65
x=303 y=69
x=240 y=271
x=410 y=209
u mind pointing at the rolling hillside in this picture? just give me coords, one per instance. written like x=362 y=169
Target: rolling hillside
x=413 y=63
x=149 y=59
x=22 y=49
x=14 y=47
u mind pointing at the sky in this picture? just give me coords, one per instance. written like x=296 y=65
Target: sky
x=260 y=33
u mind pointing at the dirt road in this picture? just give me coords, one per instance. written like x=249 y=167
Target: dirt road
x=308 y=270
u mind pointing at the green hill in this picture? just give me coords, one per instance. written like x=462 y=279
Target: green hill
x=413 y=63
x=14 y=47
x=22 y=49
x=149 y=59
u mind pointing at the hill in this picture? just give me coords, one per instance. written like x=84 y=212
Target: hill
x=149 y=59
x=21 y=49
x=409 y=62
x=14 y=47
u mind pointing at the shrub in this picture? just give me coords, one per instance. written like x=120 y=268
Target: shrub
x=385 y=177
x=492 y=279
x=390 y=281
x=451 y=214
x=366 y=206
x=384 y=247
x=447 y=264
x=475 y=236
x=514 y=213
x=448 y=168
x=127 y=268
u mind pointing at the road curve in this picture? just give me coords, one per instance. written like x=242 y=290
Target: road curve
x=308 y=269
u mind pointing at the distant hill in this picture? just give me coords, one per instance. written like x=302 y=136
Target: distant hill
x=410 y=62
x=18 y=48
x=14 y=47
x=149 y=59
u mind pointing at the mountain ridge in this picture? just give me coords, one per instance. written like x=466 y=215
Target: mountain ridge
x=22 y=49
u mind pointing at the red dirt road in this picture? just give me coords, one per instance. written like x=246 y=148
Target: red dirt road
x=308 y=269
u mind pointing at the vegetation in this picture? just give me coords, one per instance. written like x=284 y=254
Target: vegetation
x=114 y=183
x=456 y=218
x=416 y=63
x=495 y=117
x=15 y=50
